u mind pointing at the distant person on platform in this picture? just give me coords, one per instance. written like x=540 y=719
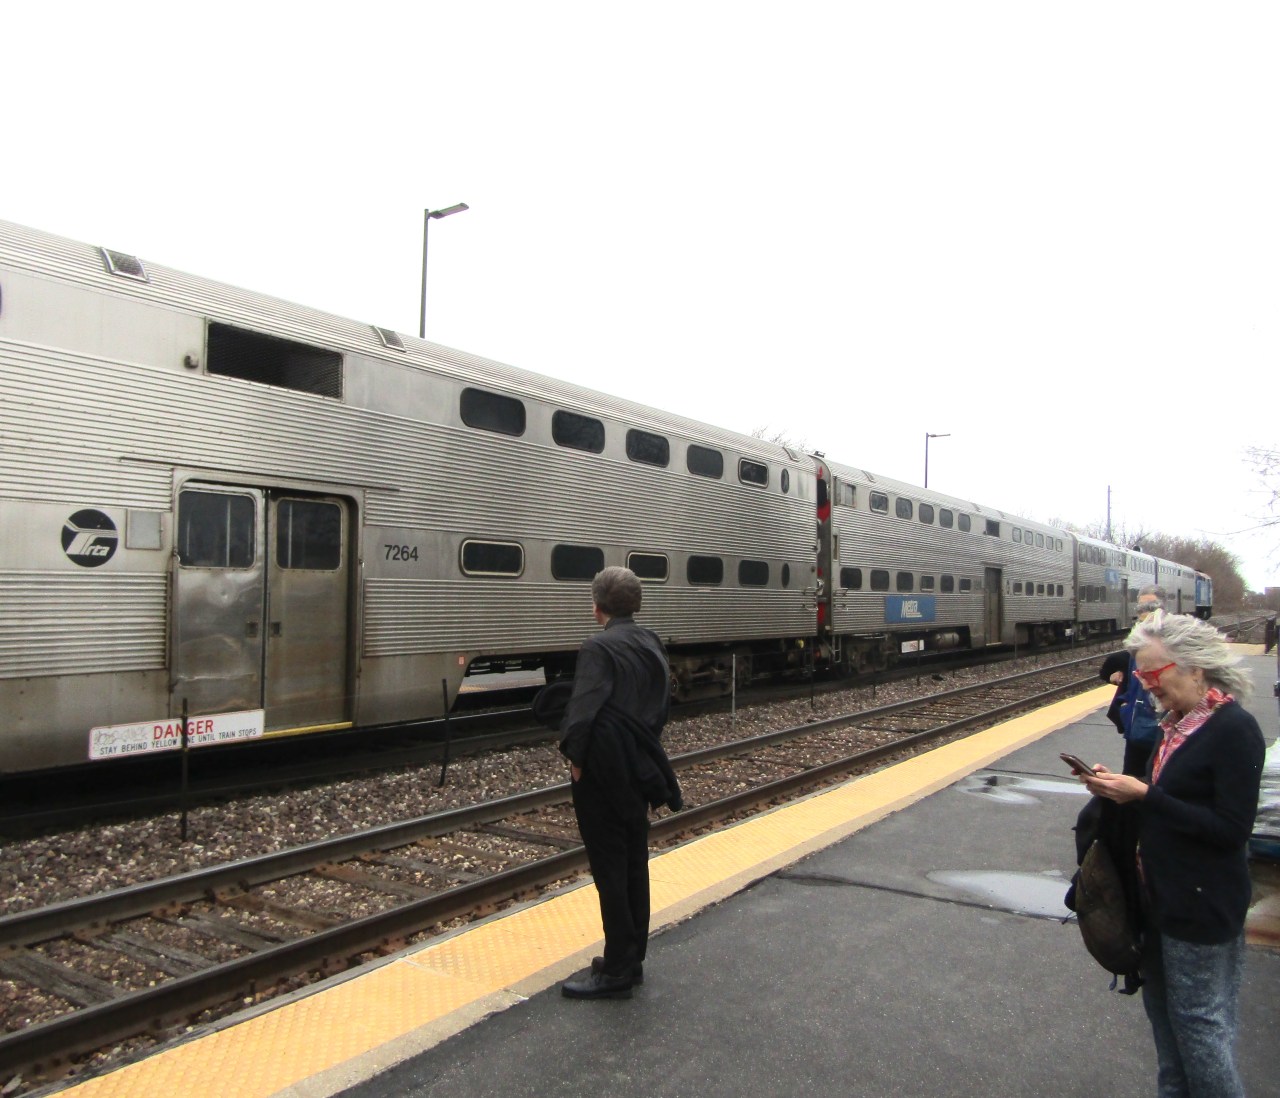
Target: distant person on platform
x=611 y=735
x=1131 y=710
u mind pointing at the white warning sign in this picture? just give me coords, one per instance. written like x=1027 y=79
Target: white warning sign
x=112 y=741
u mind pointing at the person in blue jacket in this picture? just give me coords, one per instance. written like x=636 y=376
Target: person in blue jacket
x=1196 y=807
x=1131 y=710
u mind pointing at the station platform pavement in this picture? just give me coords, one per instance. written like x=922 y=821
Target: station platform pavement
x=900 y=934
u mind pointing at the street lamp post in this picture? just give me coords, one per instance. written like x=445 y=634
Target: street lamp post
x=927 y=437
x=427 y=216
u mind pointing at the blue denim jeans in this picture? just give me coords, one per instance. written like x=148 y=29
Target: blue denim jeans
x=1192 y=997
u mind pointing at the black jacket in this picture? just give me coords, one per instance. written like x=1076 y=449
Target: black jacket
x=614 y=720
x=1195 y=827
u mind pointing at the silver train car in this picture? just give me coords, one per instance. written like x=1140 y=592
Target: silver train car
x=279 y=521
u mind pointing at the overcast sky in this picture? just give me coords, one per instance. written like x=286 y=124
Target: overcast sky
x=1050 y=231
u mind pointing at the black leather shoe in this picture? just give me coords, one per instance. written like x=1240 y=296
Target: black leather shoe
x=597 y=985
x=637 y=971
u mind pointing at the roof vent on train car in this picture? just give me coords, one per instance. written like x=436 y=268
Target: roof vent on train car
x=126 y=266
x=389 y=338
x=269 y=360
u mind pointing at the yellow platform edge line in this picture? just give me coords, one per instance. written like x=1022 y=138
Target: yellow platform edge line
x=351 y=1028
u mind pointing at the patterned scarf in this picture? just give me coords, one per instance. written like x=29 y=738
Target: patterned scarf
x=1177 y=729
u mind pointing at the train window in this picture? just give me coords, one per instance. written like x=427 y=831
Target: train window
x=851 y=578
x=492 y=558
x=649 y=566
x=1059 y=590
x=926 y=513
x=880 y=502
x=948 y=585
x=1017 y=534
x=576 y=562
x=648 y=449
x=785 y=481
x=1039 y=541
x=753 y=573
x=946 y=518
x=215 y=530
x=926 y=583
x=577 y=432
x=1030 y=537
x=308 y=534
x=267 y=360
x=1040 y=589
x=879 y=579
x=753 y=472
x=704 y=462
x=705 y=571
x=905 y=581
x=786 y=574
x=847 y=496
x=993 y=528
x=486 y=411
x=902 y=507
x=966 y=584
x=963 y=521
x=1058 y=542
x=1017 y=587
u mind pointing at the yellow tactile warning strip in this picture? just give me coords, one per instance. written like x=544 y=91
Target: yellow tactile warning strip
x=320 y=1043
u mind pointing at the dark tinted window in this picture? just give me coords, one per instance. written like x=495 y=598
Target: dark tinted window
x=851 y=578
x=926 y=512
x=879 y=579
x=993 y=528
x=648 y=449
x=906 y=581
x=576 y=562
x=308 y=534
x=271 y=361
x=503 y=415
x=785 y=481
x=966 y=584
x=492 y=558
x=648 y=566
x=1040 y=589
x=705 y=571
x=753 y=573
x=215 y=530
x=962 y=520
x=704 y=462
x=948 y=584
x=577 y=432
x=946 y=518
x=1017 y=587
x=786 y=574
x=752 y=472
x=926 y=583
x=902 y=507
x=879 y=502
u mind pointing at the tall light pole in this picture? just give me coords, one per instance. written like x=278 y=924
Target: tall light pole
x=427 y=216
x=927 y=437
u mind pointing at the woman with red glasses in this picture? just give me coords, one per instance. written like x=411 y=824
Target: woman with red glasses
x=1196 y=809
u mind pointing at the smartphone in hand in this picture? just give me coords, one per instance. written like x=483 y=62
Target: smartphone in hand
x=1077 y=764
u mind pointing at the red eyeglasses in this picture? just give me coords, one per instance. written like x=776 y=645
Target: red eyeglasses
x=1151 y=679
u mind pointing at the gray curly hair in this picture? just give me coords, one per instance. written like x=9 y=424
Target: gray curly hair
x=616 y=591
x=1192 y=643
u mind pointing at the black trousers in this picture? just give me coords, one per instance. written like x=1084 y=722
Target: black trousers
x=1136 y=754
x=615 y=831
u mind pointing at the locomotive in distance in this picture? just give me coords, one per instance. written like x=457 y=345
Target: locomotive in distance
x=281 y=521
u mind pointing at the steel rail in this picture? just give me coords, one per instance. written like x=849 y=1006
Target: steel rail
x=52 y=1042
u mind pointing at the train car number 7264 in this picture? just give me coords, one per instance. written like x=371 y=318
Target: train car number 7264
x=401 y=552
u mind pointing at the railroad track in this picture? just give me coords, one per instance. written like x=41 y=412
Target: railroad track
x=134 y=964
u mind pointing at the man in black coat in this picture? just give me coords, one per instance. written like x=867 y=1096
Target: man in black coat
x=611 y=730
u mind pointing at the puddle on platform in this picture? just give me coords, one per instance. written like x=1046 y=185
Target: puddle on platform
x=1021 y=893
x=1015 y=788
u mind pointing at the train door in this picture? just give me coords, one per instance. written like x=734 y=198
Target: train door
x=993 y=592
x=260 y=604
x=1126 y=611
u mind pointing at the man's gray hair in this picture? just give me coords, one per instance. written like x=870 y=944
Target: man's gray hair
x=616 y=591
x=1193 y=643
x=1154 y=589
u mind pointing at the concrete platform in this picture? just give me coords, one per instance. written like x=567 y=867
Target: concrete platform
x=897 y=935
